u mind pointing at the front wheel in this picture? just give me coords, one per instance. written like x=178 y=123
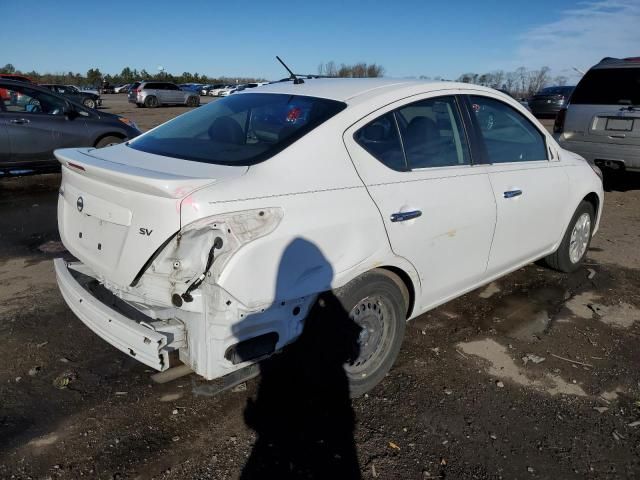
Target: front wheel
x=377 y=303
x=192 y=102
x=108 y=141
x=575 y=243
x=89 y=103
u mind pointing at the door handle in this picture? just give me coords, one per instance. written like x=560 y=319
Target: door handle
x=512 y=193
x=19 y=121
x=404 y=216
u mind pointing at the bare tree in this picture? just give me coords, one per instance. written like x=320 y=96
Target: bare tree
x=560 y=80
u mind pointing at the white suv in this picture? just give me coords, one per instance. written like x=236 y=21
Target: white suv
x=215 y=235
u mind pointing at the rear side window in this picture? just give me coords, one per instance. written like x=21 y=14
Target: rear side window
x=240 y=129
x=608 y=86
x=424 y=134
x=508 y=135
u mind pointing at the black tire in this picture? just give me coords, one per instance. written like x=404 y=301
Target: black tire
x=377 y=298
x=151 y=102
x=562 y=259
x=108 y=141
x=139 y=105
x=89 y=103
x=192 y=102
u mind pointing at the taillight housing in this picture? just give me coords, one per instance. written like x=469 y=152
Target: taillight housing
x=558 y=125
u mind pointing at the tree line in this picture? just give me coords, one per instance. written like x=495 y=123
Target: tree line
x=357 y=70
x=95 y=77
x=519 y=83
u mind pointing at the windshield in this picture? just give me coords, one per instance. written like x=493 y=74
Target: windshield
x=609 y=86
x=241 y=129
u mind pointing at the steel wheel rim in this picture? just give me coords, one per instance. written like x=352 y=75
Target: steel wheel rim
x=374 y=339
x=580 y=236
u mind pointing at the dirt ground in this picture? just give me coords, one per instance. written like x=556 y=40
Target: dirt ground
x=536 y=375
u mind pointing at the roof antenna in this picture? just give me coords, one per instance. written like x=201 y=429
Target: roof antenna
x=296 y=80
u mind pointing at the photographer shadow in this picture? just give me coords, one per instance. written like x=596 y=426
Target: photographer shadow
x=302 y=412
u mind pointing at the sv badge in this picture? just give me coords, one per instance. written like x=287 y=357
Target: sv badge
x=145 y=231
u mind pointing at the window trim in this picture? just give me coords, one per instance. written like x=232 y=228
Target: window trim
x=479 y=138
x=402 y=104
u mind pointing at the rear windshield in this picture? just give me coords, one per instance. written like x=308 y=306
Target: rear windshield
x=609 y=86
x=556 y=91
x=241 y=129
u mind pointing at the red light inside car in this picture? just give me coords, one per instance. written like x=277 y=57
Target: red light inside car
x=294 y=114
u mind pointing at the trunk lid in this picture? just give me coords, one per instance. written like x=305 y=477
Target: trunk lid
x=117 y=205
x=603 y=124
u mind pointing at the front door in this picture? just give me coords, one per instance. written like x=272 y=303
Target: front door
x=437 y=206
x=36 y=125
x=531 y=188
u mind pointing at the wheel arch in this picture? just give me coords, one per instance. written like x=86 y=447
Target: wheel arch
x=594 y=200
x=405 y=279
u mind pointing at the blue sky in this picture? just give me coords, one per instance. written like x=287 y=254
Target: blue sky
x=409 y=38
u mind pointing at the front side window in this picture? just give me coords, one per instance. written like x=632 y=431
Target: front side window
x=424 y=134
x=18 y=99
x=240 y=129
x=508 y=135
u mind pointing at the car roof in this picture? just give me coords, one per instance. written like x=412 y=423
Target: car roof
x=354 y=90
x=610 y=62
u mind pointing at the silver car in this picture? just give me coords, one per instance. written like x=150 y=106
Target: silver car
x=154 y=94
x=602 y=120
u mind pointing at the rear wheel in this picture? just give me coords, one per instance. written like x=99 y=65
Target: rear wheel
x=89 y=103
x=108 y=141
x=575 y=243
x=377 y=303
x=151 y=102
x=192 y=102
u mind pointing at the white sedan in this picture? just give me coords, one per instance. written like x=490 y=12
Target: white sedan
x=350 y=204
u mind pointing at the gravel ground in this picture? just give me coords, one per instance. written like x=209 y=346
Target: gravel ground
x=536 y=375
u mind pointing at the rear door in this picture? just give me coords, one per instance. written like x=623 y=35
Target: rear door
x=437 y=206
x=530 y=187
x=605 y=107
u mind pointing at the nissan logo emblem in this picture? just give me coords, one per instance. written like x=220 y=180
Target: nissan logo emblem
x=80 y=204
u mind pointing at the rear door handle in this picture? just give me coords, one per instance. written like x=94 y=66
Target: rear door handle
x=512 y=193
x=19 y=121
x=404 y=216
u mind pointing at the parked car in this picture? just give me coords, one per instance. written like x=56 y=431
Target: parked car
x=106 y=88
x=211 y=90
x=549 y=101
x=191 y=87
x=89 y=100
x=213 y=236
x=602 y=120
x=225 y=92
x=154 y=94
x=121 y=88
x=36 y=121
x=86 y=88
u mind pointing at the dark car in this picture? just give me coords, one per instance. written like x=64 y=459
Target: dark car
x=549 y=101
x=35 y=121
x=89 y=100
